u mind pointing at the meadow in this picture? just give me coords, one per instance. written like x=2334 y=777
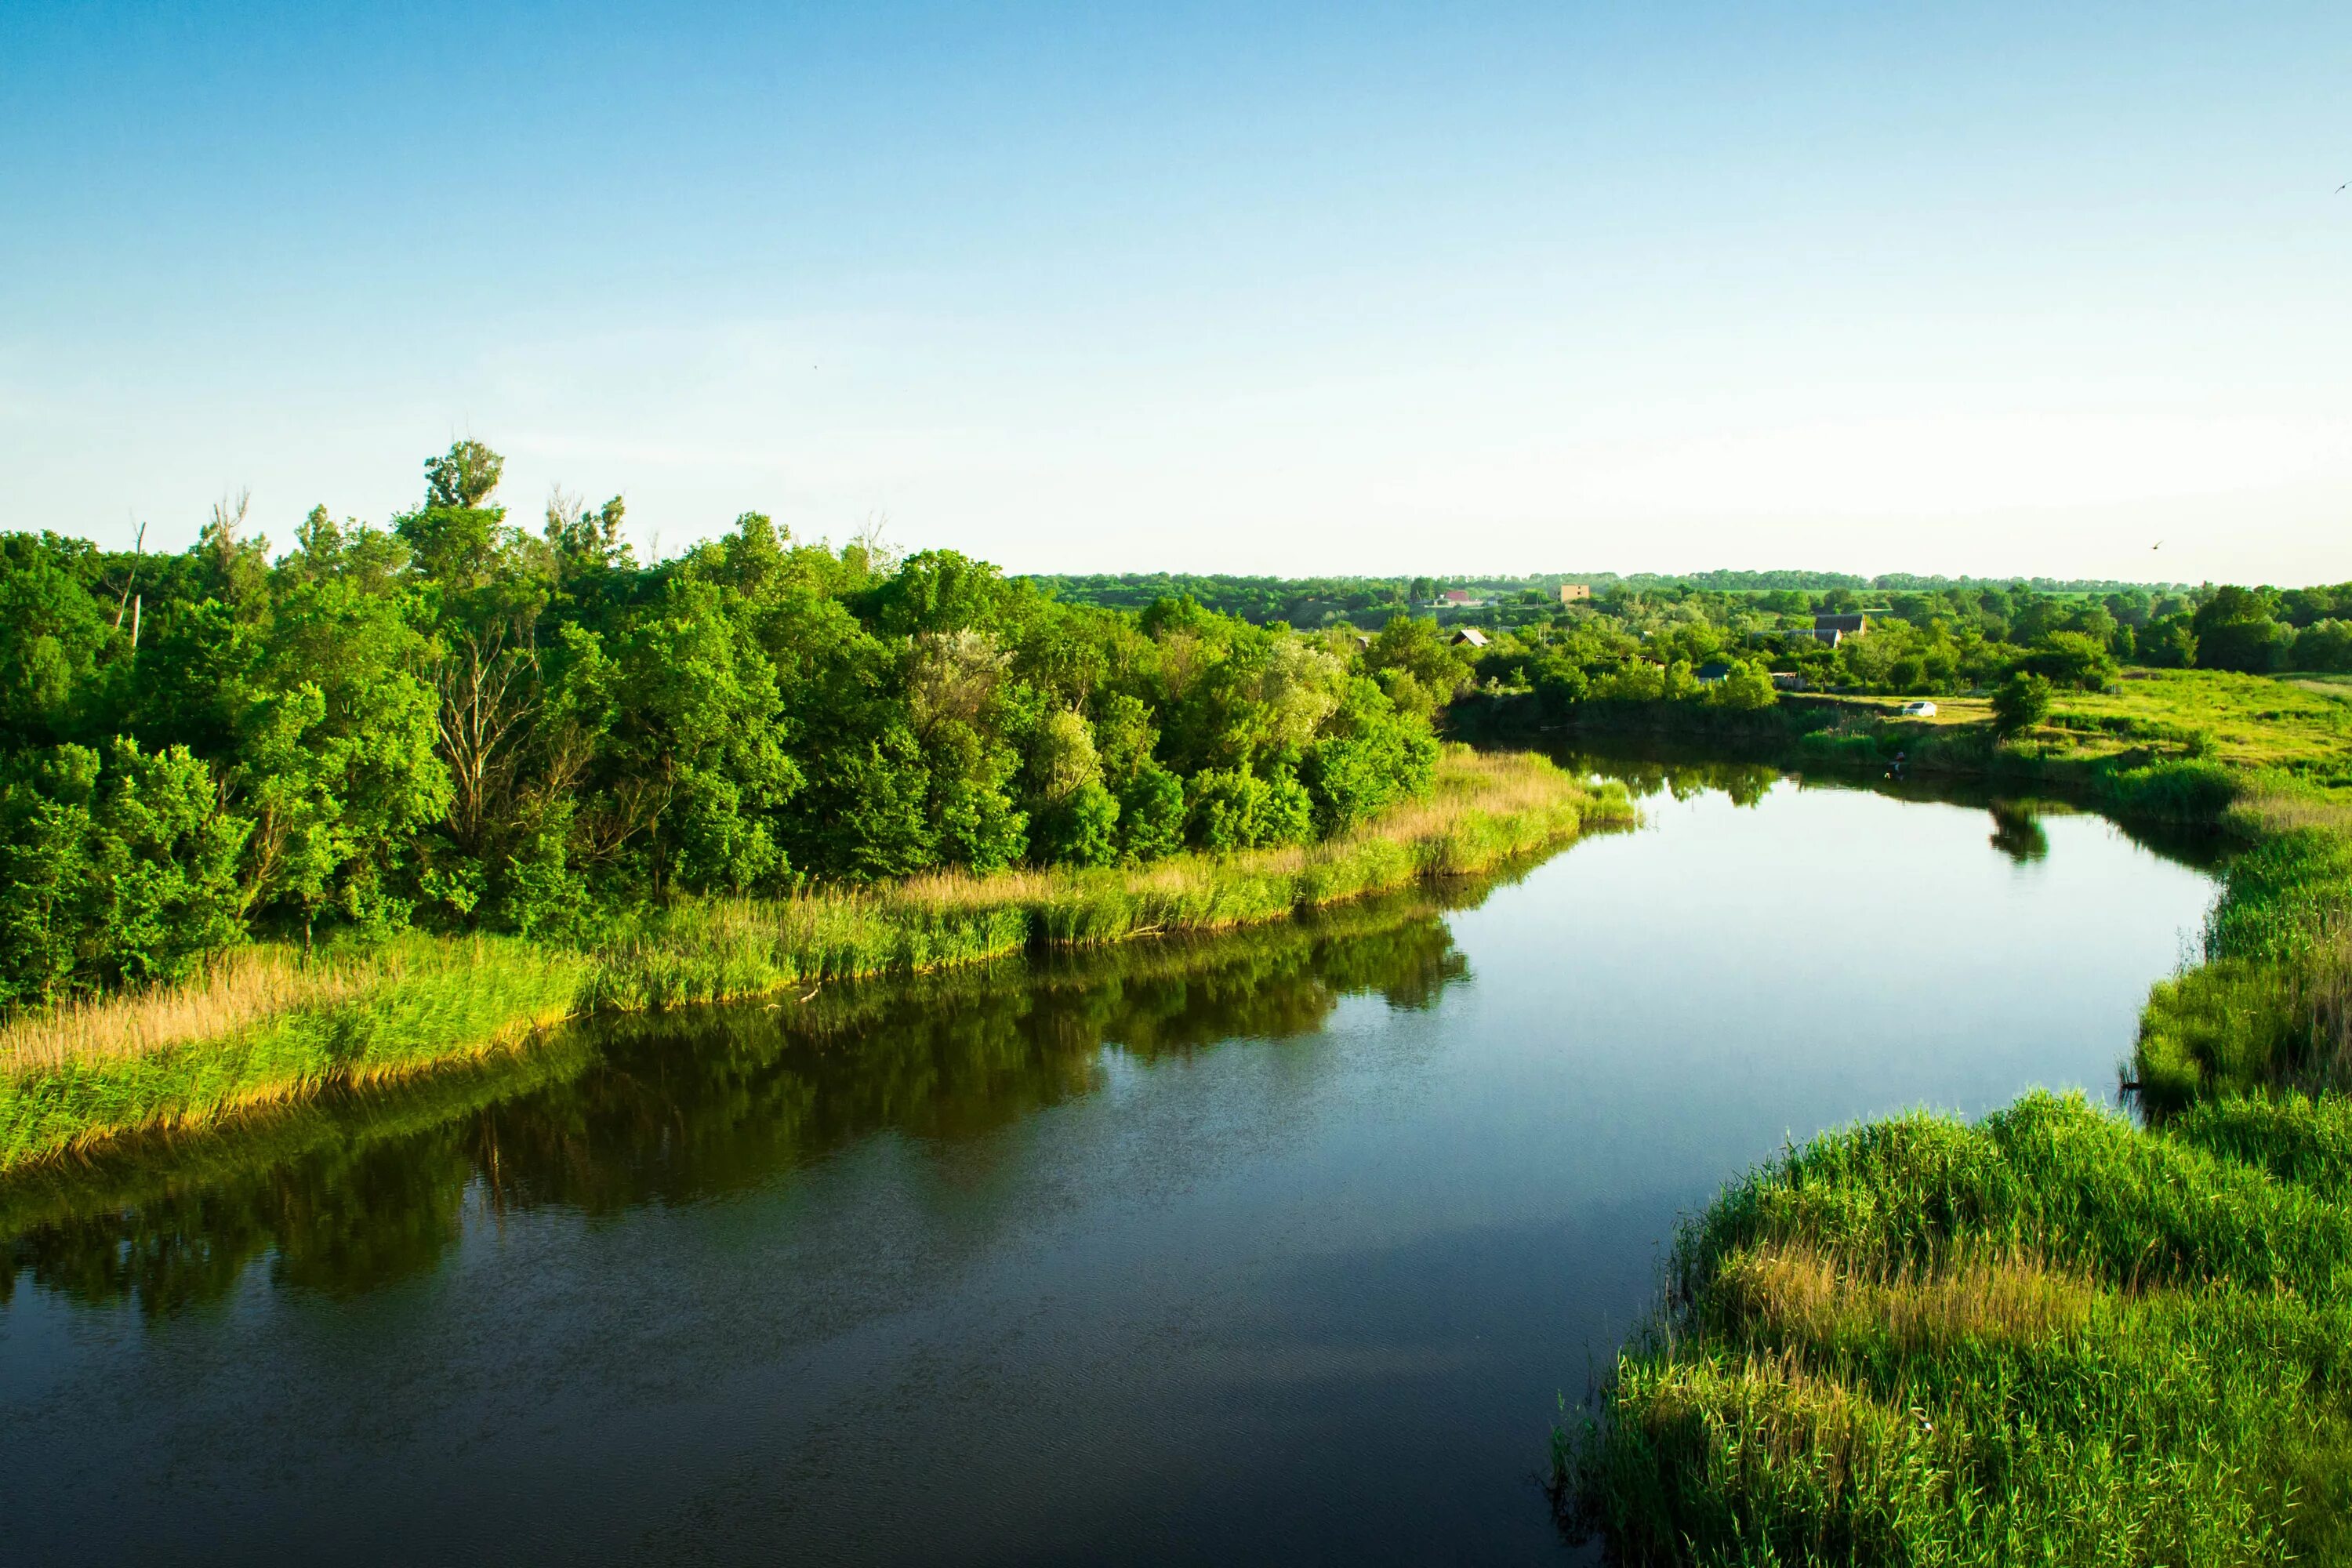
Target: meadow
x=2059 y=1334
x=266 y=1023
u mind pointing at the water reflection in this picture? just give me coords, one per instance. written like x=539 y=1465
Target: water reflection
x=2017 y=831
x=674 y=1108
x=1650 y=771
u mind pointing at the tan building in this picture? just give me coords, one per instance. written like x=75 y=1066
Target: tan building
x=1575 y=593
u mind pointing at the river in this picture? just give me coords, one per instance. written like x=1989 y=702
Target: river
x=1283 y=1247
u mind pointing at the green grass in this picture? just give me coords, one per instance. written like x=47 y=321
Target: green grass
x=416 y=1005
x=2049 y=1337
x=269 y=1025
x=2054 y=1336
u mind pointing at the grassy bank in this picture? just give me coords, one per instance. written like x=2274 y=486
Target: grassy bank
x=265 y=1026
x=2181 y=746
x=2055 y=1335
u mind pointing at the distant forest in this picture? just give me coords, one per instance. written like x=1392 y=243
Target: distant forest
x=1368 y=602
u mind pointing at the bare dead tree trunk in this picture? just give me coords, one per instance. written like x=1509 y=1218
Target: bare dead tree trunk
x=139 y=553
x=489 y=692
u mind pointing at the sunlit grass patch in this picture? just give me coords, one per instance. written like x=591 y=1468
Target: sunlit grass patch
x=1798 y=1293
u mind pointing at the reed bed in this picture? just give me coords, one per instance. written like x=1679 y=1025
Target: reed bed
x=266 y=1025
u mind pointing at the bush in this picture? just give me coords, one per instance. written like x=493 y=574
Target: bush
x=1082 y=829
x=1374 y=755
x=2022 y=701
x=2072 y=659
x=1231 y=810
x=125 y=873
x=2324 y=645
x=1150 y=814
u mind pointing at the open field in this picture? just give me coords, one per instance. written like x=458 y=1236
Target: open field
x=265 y=1026
x=2053 y=1335
x=2300 y=723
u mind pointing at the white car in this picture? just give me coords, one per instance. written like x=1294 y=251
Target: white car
x=1919 y=709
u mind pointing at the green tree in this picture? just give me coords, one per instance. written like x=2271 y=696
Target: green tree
x=1748 y=687
x=2022 y=703
x=52 y=635
x=2237 y=629
x=2326 y=645
x=111 y=875
x=1150 y=814
x=2072 y=659
x=1368 y=756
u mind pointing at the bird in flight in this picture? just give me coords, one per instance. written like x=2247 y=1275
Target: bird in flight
x=2157 y=545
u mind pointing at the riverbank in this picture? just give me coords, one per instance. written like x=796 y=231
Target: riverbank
x=266 y=1026
x=2055 y=1334
x=2175 y=745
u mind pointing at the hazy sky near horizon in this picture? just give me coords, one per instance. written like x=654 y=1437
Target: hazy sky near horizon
x=1477 y=287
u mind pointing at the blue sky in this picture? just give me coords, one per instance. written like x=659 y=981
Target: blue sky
x=1214 y=288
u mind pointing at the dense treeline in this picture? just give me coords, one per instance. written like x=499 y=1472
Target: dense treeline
x=1738 y=649
x=1367 y=602
x=454 y=722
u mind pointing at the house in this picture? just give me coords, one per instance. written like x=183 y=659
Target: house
x=1847 y=626
x=1786 y=680
x=1575 y=593
x=1832 y=636
x=1918 y=709
x=1469 y=636
x=1457 y=597
x=1712 y=674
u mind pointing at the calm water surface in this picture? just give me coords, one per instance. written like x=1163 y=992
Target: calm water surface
x=1282 y=1247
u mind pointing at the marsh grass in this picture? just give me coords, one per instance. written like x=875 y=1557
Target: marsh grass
x=266 y=1025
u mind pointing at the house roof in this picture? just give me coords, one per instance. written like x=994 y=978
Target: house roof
x=1838 y=623
x=1471 y=636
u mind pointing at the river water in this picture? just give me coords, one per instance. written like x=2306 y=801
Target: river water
x=1283 y=1247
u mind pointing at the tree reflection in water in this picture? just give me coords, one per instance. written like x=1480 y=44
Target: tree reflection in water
x=347 y=1196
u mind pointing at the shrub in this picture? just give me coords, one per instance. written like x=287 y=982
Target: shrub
x=125 y=873
x=1150 y=814
x=1082 y=829
x=2022 y=701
